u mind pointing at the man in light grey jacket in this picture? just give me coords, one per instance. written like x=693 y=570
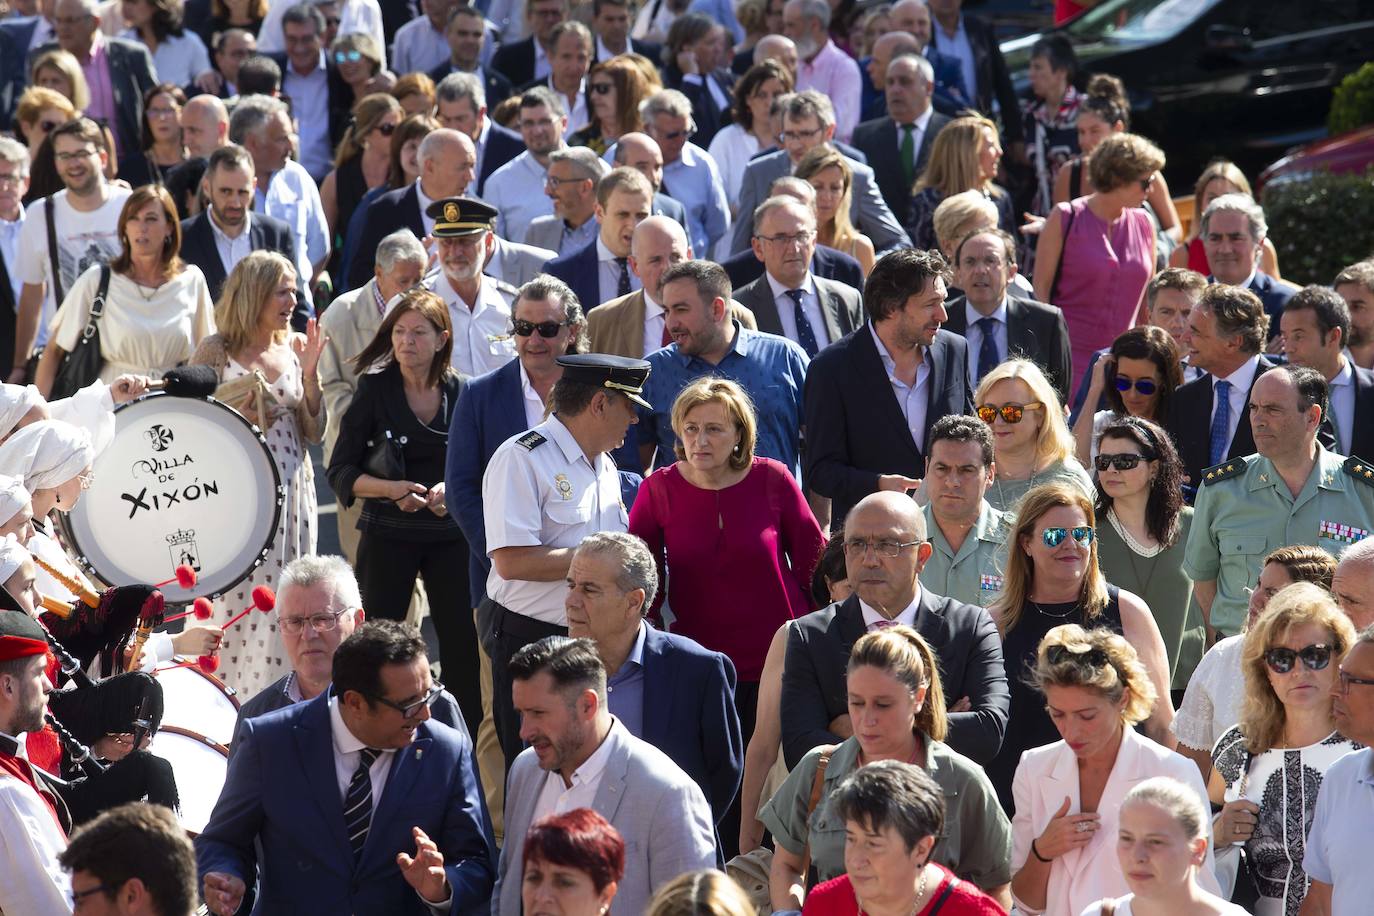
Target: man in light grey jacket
x=580 y=756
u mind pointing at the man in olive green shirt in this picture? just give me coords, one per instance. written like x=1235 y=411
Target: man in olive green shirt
x=1293 y=492
x=967 y=536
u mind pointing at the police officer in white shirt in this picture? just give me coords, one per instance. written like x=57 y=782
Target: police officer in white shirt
x=478 y=305
x=543 y=492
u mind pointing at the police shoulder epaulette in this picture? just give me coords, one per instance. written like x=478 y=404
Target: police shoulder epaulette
x=1361 y=470
x=1233 y=467
x=505 y=288
x=531 y=440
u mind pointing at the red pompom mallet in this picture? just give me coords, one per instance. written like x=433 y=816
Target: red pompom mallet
x=185 y=577
x=208 y=663
x=264 y=599
x=200 y=608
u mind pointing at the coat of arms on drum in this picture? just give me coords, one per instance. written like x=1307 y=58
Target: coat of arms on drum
x=182 y=546
x=159 y=437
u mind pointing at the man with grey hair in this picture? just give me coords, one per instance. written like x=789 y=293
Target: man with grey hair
x=689 y=173
x=1233 y=231
x=14 y=182
x=283 y=187
x=570 y=56
x=571 y=184
x=462 y=106
x=779 y=48
x=808 y=120
x=349 y=324
x=690 y=690
x=1353 y=584
x=311 y=85
x=543 y=121
x=824 y=67
x=908 y=129
x=744 y=267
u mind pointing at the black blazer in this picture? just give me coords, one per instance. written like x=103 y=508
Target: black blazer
x=515 y=61
x=503 y=145
x=842 y=306
x=580 y=270
x=1362 y=436
x=495 y=87
x=1190 y=424
x=131 y=75
x=966 y=644
x=709 y=116
x=398 y=209
x=991 y=70
x=855 y=430
x=877 y=139
x=1035 y=331
x=743 y=267
x=265 y=233
x=341 y=99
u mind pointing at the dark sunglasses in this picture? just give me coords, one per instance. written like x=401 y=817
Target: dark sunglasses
x=1011 y=413
x=546 y=329
x=601 y=88
x=386 y=129
x=48 y=126
x=1314 y=658
x=1121 y=462
x=1053 y=537
x=1145 y=386
x=1059 y=653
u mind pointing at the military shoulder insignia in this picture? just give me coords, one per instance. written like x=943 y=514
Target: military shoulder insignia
x=1361 y=470
x=510 y=291
x=531 y=440
x=1227 y=469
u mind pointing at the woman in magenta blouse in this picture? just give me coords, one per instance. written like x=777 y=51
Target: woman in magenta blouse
x=733 y=530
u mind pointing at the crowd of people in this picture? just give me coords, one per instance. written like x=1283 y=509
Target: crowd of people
x=836 y=484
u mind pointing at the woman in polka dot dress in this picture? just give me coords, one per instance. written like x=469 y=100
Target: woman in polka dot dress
x=253 y=316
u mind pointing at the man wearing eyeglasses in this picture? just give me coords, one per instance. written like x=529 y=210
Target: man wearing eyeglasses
x=1337 y=851
x=689 y=172
x=600 y=270
x=358 y=800
x=513 y=189
x=571 y=184
x=886 y=547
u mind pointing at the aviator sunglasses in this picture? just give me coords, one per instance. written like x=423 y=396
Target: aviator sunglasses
x=1145 y=386
x=1314 y=658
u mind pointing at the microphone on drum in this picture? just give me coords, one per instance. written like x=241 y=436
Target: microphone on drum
x=188 y=382
x=264 y=599
x=185 y=577
x=201 y=609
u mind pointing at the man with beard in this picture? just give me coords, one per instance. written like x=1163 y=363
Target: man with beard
x=581 y=756
x=823 y=66
x=478 y=305
x=1356 y=286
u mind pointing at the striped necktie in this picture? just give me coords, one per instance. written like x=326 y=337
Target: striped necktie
x=358 y=802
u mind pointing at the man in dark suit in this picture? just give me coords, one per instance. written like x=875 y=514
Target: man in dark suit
x=17 y=35
x=1233 y=232
x=872 y=396
x=788 y=299
x=997 y=324
x=885 y=547
x=948 y=96
x=461 y=104
x=1314 y=330
x=222 y=234
x=972 y=42
x=909 y=131
x=666 y=689
x=405 y=832
x=128 y=65
x=522 y=62
x=745 y=267
x=466 y=33
x=600 y=270
x=611 y=21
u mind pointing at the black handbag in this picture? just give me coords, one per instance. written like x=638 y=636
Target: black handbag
x=385 y=458
x=82 y=365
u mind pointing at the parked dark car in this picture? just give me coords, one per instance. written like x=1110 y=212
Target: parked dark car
x=1352 y=151
x=1245 y=79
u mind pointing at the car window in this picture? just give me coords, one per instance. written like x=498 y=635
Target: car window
x=1281 y=20
x=1139 y=20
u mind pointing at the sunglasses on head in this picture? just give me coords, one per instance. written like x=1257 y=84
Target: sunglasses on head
x=1121 y=462
x=1010 y=413
x=1145 y=386
x=601 y=88
x=1053 y=537
x=546 y=329
x=1314 y=658
x=1059 y=653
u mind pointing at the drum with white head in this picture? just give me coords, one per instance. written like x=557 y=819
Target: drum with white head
x=200 y=767
x=197 y=701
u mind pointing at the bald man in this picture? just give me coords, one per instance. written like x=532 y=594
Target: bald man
x=910 y=19
x=885 y=547
x=204 y=128
x=779 y=48
x=640 y=151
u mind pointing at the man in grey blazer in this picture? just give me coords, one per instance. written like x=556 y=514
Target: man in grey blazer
x=571 y=184
x=559 y=687
x=788 y=299
x=808 y=120
x=515 y=263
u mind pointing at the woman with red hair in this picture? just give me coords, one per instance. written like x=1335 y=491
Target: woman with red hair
x=573 y=863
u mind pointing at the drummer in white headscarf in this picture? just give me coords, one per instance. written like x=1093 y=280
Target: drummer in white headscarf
x=18 y=574
x=16 y=509
x=91 y=408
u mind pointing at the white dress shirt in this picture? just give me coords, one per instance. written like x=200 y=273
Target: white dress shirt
x=425 y=219
x=912 y=399
x=1240 y=380
x=921 y=123
x=231 y=250
x=29 y=846
x=608 y=270
x=907 y=616
x=811 y=307
x=556 y=798
x=1343 y=406
x=961 y=49
x=9 y=250
x=481 y=330
x=534 y=404
x=973 y=334
x=655 y=319
x=294 y=198
x=578 y=116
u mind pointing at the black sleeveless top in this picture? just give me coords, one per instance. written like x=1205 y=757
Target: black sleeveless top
x=1028 y=725
x=349 y=189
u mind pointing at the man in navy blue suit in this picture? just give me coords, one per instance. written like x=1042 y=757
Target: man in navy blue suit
x=371 y=806
x=600 y=270
x=665 y=689
x=1233 y=233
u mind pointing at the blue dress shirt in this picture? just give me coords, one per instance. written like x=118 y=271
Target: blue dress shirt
x=625 y=688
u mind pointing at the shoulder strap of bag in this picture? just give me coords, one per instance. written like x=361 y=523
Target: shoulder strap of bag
x=817 y=784
x=1063 y=246
x=98 y=303
x=49 y=211
x=939 y=903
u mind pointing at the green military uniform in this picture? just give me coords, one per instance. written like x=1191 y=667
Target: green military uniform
x=973 y=574
x=1244 y=510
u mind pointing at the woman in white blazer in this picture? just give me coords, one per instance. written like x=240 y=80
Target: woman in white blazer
x=1068 y=794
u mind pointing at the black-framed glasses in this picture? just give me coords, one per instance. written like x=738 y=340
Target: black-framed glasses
x=1146 y=386
x=600 y=88
x=387 y=128
x=1121 y=462
x=1010 y=413
x=320 y=623
x=885 y=547
x=1053 y=537
x=78 y=896
x=547 y=329
x=1347 y=679
x=1059 y=653
x=410 y=710
x=1282 y=660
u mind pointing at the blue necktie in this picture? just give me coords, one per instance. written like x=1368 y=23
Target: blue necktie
x=805 y=335
x=358 y=802
x=1221 y=422
x=988 y=357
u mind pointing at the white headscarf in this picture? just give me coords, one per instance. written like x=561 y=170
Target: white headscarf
x=15 y=401
x=13 y=497
x=12 y=556
x=46 y=454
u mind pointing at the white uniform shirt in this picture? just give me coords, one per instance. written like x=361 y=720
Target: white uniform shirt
x=482 y=340
x=540 y=490
x=29 y=846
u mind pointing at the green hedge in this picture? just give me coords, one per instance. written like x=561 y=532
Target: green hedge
x=1321 y=224
x=1352 y=103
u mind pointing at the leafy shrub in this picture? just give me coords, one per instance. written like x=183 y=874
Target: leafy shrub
x=1321 y=223
x=1352 y=103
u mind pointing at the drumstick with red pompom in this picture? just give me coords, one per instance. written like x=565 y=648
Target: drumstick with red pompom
x=185 y=577
x=200 y=609
x=264 y=599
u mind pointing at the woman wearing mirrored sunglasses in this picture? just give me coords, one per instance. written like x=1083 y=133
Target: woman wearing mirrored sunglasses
x=1136 y=379
x=1268 y=768
x=362 y=162
x=1140 y=546
x=357 y=59
x=1031 y=441
x=1051 y=577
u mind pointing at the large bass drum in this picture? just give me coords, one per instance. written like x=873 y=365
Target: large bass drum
x=185 y=480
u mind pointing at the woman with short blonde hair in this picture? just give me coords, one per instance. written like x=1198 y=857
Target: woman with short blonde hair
x=736 y=402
